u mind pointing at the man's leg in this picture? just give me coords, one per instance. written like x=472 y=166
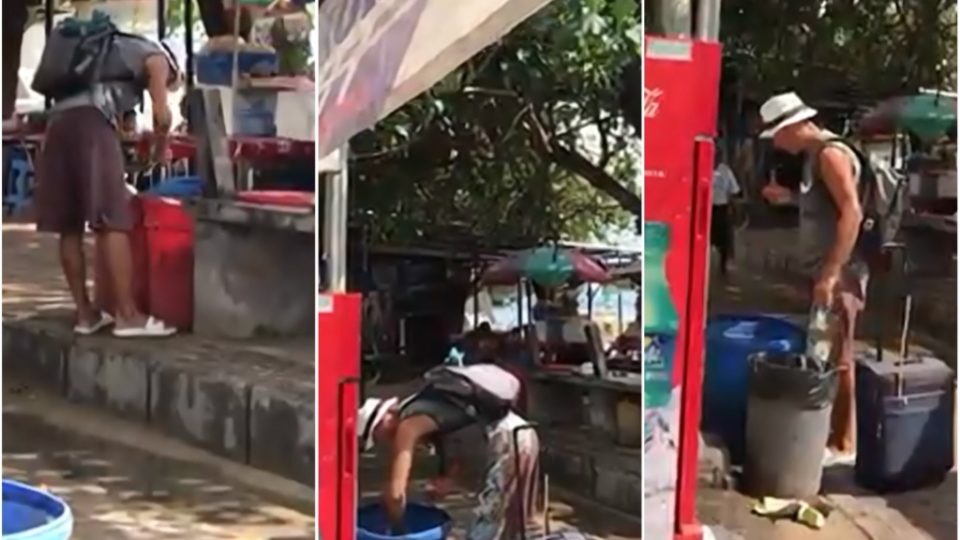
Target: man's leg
x=726 y=236
x=115 y=245
x=843 y=417
x=74 y=266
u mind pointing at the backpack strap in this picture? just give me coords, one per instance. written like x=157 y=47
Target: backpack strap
x=866 y=182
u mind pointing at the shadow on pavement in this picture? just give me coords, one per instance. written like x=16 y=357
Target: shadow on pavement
x=932 y=510
x=120 y=492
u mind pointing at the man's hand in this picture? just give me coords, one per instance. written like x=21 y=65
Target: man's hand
x=824 y=288
x=774 y=193
x=162 y=120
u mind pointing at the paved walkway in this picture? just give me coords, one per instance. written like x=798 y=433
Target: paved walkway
x=125 y=482
x=250 y=400
x=920 y=515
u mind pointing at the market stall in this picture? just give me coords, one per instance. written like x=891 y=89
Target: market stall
x=223 y=243
x=583 y=373
x=917 y=133
x=254 y=243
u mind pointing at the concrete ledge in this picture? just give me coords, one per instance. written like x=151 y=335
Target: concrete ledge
x=596 y=470
x=251 y=405
x=934 y=305
x=36 y=355
x=282 y=433
x=205 y=408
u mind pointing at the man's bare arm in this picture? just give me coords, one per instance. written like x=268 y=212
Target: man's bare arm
x=837 y=175
x=158 y=79
x=410 y=432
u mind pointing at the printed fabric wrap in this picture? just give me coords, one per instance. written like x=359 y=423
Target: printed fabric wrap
x=509 y=496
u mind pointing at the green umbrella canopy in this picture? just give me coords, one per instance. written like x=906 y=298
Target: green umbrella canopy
x=928 y=116
x=548 y=266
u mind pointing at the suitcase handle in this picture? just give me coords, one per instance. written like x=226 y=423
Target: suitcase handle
x=903 y=343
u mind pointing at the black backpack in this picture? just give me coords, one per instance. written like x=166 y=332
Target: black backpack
x=74 y=56
x=488 y=391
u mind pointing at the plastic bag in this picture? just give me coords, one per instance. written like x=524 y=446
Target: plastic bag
x=800 y=379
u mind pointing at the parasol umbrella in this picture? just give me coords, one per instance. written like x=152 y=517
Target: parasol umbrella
x=547 y=266
x=927 y=116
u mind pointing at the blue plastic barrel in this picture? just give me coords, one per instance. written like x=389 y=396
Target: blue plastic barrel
x=32 y=514
x=421 y=522
x=731 y=340
x=179 y=187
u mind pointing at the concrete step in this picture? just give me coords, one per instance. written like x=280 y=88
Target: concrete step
x=594 y=469
x=250 y=401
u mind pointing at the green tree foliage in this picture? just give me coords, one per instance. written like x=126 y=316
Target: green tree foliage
x=832 y=48
x=513 y=144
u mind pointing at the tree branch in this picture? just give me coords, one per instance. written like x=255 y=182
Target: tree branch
x=575 y=163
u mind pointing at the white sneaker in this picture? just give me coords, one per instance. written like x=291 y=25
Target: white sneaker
x=843 y=459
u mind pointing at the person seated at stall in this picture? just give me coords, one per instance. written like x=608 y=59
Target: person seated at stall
x=632 y=338
x=486 y=344
x=508 y=497
x=480 y=345
x=128 y=125
x=562 y=335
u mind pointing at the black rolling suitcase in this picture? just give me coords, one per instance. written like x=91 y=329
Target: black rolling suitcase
x=905 y=417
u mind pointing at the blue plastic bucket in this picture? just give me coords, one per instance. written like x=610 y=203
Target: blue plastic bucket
x=32 y=514
x=181 y=187
x=422 y=523
x=731 y=340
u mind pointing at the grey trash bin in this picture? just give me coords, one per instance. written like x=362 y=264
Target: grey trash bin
x=790 y=398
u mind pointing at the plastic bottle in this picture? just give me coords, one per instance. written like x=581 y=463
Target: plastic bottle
x=659 y=317
x=819 y=334
x=455 y=357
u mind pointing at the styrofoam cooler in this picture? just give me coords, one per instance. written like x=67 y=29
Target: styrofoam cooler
x=905 y=430
x=216 y=67
x=103 y=281
x=170 y=239
x=250 y=113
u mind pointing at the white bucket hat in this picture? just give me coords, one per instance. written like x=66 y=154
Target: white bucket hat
x=369 y=416
x=781 y=111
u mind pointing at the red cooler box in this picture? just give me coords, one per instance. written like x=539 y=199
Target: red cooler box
x=103 y=287
x=170 y=239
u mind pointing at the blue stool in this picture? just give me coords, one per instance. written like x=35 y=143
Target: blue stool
x=18 y=183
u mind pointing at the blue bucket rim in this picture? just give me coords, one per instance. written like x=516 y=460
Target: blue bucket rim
x=772 y=319
x=374 y=506
x=55 y=525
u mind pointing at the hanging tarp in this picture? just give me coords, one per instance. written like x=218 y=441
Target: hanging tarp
x=375 y=55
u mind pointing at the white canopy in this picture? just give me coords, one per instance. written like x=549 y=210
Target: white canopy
x=375 y=56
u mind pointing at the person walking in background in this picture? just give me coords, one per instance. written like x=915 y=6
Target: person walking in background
x=80 y=173
x=830 y=216
x=725 y=187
